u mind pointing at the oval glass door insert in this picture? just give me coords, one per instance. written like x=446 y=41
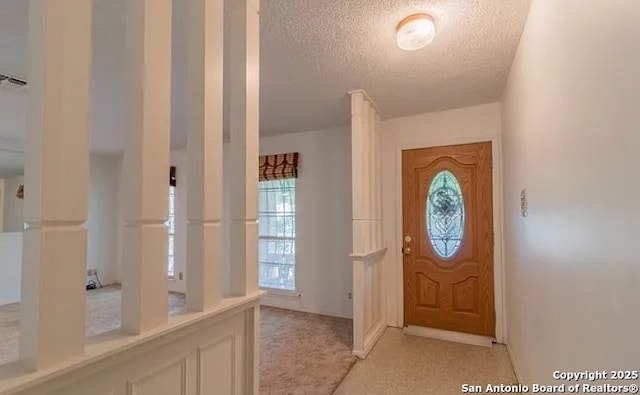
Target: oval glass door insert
x=445 y=214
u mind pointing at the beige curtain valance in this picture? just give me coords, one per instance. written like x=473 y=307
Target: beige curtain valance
x=278 y=167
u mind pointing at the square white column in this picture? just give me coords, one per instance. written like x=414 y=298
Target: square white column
x=145 y=170
x=364 y=172
x=244 y=122
x=204 y=154
x=373 y=175
x=52 y=311
x=378 y=181
x=358 y=193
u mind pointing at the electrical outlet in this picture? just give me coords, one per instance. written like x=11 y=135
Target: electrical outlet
x=349 y=296
x=180 y=276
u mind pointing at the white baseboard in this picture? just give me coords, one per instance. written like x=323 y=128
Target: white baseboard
x=451 y=336
x=514 y=363
x=394 y=324
x=371 y=339
x=295 y=303
x=282 y=294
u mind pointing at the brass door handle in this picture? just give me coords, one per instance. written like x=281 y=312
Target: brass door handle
x=406 y=250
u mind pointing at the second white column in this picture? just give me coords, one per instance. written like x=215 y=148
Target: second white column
x=244 y=122
x=146 y=165
x=204 y=152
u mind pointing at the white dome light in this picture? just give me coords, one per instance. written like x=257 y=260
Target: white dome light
x=415 y=32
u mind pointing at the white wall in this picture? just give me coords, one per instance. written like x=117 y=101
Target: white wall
x=102 y=226
x=10 y=267
x=2 y=192
x=119 y=218
x=13 y=219
x=571 y=136
x=459 y=126
x=102 y=222
x=323 y=220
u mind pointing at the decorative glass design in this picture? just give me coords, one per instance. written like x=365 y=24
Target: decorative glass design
x=445 y=214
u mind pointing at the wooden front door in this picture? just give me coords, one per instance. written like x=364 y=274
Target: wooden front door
x=448 y=238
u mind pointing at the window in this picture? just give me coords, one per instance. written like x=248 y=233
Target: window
x=277 y=234
x=171 y=229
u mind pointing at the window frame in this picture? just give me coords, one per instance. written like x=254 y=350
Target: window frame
x=283 y=292
x=171 y=234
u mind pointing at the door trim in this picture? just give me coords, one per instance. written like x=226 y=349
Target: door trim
x=498 y=225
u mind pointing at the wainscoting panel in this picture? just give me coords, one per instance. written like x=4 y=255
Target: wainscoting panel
x=169 y=378
x=369 y=320
x=207 y=353
x=218 y=364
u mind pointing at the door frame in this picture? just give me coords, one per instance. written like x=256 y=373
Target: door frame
x=498 y=224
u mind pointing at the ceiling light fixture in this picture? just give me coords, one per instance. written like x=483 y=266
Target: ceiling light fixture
x=415 y=32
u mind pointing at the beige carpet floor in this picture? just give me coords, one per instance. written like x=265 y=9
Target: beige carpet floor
x=301 y=353
x=9 y=326
x=401 y=365
x=102 y=315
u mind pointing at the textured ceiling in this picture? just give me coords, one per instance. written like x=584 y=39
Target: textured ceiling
x=312 y=52
x=315 y=51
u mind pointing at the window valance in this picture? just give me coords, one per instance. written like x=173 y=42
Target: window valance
x=278 y=167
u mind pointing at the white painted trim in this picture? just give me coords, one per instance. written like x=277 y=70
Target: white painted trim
x=296 y=304
x=102 y=348
x=498 y=225
x=281 y=293
x=368 y=256
x=371 y=339
x=498 y=243
x=514 y=363
x=451 y=336
x=366 y=96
